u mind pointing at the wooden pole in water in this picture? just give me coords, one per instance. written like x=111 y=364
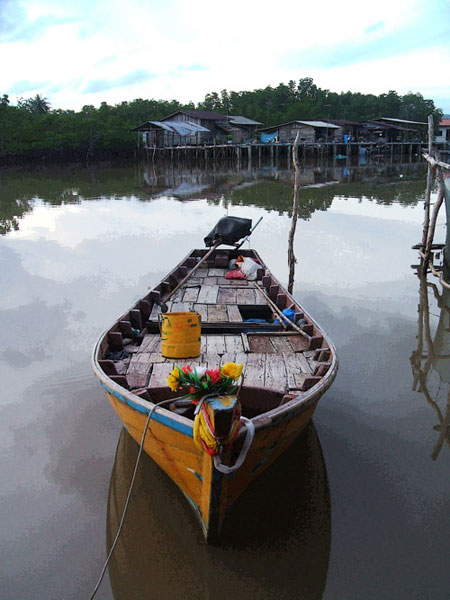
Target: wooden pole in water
x=291 y=256
x=430 y=178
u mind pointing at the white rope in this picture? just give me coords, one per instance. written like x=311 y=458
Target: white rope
x=119 y=530
x=250 y=434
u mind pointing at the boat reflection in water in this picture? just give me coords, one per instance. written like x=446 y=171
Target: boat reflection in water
x=274 y=544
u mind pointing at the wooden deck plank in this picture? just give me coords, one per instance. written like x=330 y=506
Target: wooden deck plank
x=216 y=272
x=295 y=365
x=156 y=311
x=246 y=296
x=182 y=307
x=210 y=281
x=150 y=343
x=275 y=374
x=160 y=373
x=201 y=273
x=255 y=369
x=208 y=294
x=259 y=297
x=280 y=343
x=138 y=370
x=217 y=313
x=233 y=313
x=233 y=282
x=299 y=344
x=202 y=309
x=260 y=344
x=227 y=295
x=157 y=357
x=191 y=294
x=215 y=345
x=233 y=343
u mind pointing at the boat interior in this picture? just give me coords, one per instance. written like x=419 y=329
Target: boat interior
x=240 y=322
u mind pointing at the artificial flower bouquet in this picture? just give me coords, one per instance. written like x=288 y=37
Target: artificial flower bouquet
x=198 y=381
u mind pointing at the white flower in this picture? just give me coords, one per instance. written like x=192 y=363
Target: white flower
x=200 y=371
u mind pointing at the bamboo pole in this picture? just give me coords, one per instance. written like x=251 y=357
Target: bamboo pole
x=291 y=256
x=281 y=314
x=435 y=167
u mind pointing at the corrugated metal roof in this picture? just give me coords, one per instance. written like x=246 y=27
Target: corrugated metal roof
x=400 y=121
x=239 y=120
x=323 y=124
x=444 y=123
x=180 y=127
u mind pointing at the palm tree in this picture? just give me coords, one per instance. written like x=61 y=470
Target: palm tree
x=37 y=105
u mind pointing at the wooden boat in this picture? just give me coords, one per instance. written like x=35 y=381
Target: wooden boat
x=160 y=537
x=286 y=371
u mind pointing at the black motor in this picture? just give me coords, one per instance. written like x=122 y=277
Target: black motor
x=229 y=230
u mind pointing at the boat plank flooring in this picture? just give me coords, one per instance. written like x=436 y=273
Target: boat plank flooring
x=201 y=273
x=217 y=313
x=215 y=272
x=236 y=282
x=245 y=296
x=227 y=295
x=208 y=294
x=182 y=307
x=260 y=344
x=275 y=373
x=156 y=311
x=138 y=370
x=299 y=344
x=210 y=280
x=233 y=343
x=160 y=372
x=202 y=309
x=150 y=343
x=255 y=369
x=234 y=314
x=215 y=344
x=191 y=294
x=281 y=343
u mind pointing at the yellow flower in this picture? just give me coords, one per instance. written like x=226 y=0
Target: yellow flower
x=172 y=381
x=230 y=369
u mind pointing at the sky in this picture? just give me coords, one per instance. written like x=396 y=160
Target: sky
x=91 y=51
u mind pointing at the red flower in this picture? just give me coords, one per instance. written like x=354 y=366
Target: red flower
x=192 y=390
x=214 y=375
x=186 y=370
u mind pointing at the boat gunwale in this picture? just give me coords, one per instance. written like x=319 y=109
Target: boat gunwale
x=299 y=402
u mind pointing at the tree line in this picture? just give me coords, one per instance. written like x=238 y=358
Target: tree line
x=32 y=131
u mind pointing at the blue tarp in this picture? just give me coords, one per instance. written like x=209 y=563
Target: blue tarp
x=269 y=137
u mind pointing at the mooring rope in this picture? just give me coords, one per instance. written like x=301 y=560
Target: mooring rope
x=122 y=520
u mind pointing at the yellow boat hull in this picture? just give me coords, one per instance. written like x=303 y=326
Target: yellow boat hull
x=211 y=493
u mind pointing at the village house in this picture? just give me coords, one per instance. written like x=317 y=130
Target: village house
x=443 y=136
x=310 y=132
x=196 y=127
x=388 y=129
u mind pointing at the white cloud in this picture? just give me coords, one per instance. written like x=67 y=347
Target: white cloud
x=240 y=46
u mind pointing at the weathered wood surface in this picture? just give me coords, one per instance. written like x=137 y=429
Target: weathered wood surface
x=138 y=370
x=208 y=294
x=274 y=359
x=217 y=313
x=269 y=361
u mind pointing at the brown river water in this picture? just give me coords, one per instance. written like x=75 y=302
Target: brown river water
x=357 y=509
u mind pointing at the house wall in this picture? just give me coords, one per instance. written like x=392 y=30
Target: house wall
x=444 y=135
x=287 y=133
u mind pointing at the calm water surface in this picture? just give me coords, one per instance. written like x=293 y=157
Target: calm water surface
x=358 y=507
